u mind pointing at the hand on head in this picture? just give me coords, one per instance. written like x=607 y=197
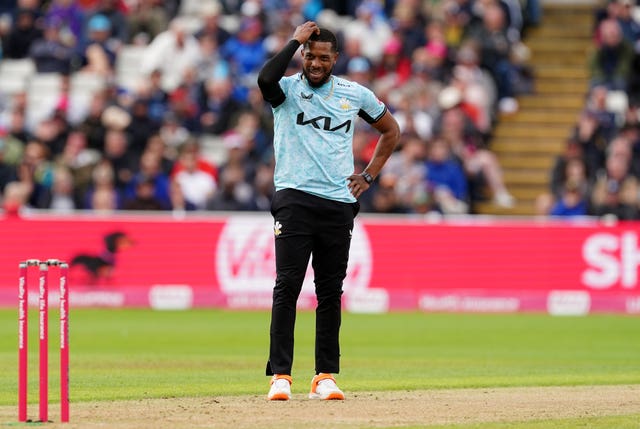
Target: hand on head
x=304 y=31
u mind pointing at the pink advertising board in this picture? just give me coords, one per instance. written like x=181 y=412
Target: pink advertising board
x=397 y=263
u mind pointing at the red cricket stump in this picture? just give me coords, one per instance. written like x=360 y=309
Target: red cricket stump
x=64 y=344
x=43 y=305
x=43 y=329
x=23 y=308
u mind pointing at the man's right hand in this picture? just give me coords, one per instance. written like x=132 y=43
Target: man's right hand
x=304 y=31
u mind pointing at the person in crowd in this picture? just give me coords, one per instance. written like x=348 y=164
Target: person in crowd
x=359 y=70
x=50 y=54
x=80 y=160
x=60 y=198
x=570 y=174
x=211 y=60
x=394 y=65
x=118 y=25
x=92 y=125
x=630 y=131
x=446 y=178
x=36 y=171
x=610 y=63
x=628 y=22
x=16 y=198
x=596 y=106
x=194 y=179
x=457 y=16
x=172 y=52
x=407 y=171
x=122 y=161
x=156 y=98
x=16 y=137
x=219 y=108
x=8 y=171
x=245 y=52
x=411 y=117
x=621 y=11
x=149 y=187
x=141 y=128
x=384 y=199
x=157 y=145
x=172 y=134
x=234 y=193
x=210 y=12
x=476 y=85
x=562 y=172
x=22 y=35
x=495 y=47
x=184 y=101
x=352 y=48
x=68 y=18
x=592 y=139
x=98 y=54
x=573 y=194
x=371 y=27
x=102 y=193
x=263 y=188
x=431 y=61
x=146 y=19
x=144 y=197
x=408 y=23
x=104 y=201
x=633 y=82
x=480 y=164
x=52 y=132
x=616 y=190
x=259 y=147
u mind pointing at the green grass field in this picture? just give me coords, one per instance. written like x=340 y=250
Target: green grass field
x=132 y=354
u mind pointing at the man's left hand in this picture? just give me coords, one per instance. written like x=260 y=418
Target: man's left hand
x=357 y=185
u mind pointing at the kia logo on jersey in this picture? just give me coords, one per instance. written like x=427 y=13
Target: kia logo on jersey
x=322 y=123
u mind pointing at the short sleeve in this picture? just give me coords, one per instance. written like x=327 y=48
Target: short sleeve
x=372 y=109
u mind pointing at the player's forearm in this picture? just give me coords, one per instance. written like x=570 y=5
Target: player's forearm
x=274 y=68
x=389 y=136
x=384 y=148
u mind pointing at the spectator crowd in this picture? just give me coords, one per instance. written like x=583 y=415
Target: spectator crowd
x=183 y=126
x=598 y=174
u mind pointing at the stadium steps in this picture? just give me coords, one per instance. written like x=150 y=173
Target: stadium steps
x=539 y=146
x=547 y=103
x=527 y=142
x=542 y=116
x=523 y=161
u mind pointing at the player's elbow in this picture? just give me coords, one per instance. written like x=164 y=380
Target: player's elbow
x=265 y=79
x=262 y=82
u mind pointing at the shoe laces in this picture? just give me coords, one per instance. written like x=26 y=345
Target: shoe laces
x=281 y=383
x=328 y=383
x=281 y=380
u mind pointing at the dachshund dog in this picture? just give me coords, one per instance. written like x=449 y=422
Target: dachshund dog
x=100 y=266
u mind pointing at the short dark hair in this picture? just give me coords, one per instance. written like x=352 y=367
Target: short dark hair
x=324 y=36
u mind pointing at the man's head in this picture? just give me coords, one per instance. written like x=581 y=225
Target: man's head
x=319 y=55
x=610 y=33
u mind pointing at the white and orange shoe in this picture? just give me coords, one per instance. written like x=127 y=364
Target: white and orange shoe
x=323 y=386
x=280 y=388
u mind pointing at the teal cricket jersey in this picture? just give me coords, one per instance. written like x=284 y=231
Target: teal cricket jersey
x=313 y=135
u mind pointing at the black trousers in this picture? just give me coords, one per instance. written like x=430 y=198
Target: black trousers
x=306 y=225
